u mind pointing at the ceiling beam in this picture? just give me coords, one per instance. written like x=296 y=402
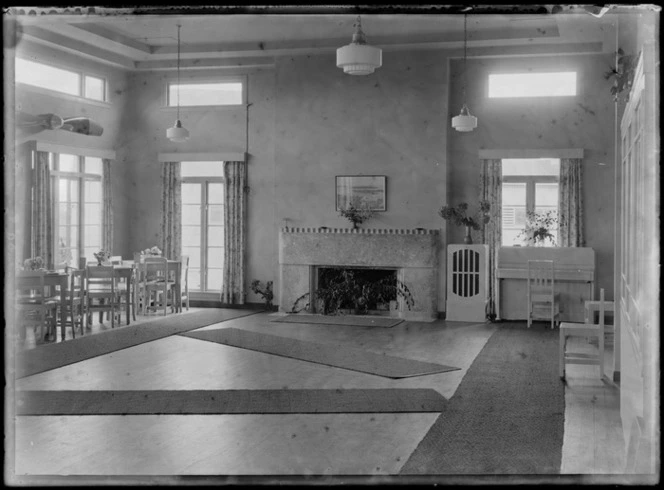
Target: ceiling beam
x=300 y=46
x=113 y=36
x=205 y=63
x=49 y=38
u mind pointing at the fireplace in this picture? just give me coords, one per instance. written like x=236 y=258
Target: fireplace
x=329 y=279
x=410 y=254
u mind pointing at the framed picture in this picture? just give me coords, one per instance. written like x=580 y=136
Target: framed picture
x=365 y=191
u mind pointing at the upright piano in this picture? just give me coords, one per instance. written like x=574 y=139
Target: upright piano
x=574 y=275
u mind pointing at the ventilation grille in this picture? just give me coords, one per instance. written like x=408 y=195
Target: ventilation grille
x=466 y=273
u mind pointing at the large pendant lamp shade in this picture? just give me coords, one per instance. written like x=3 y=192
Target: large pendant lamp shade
x=464 y=122
x=359 y=58
x=178 y=133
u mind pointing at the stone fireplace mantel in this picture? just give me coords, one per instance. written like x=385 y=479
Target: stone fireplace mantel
x=413 y=253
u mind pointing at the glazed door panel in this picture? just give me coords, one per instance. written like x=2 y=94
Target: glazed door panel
x=639 y=273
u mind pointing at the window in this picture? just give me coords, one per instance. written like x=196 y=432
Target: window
x=77 y=194
x=203 y=223
x=206 y=94
x=532 y=84
x=529 y=185
x=65 y=81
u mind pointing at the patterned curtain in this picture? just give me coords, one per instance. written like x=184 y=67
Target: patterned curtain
x=232 y=289
x=171 y=211
x=42 y=211
x=107 y=208
x=491 y=190
x=570 y=204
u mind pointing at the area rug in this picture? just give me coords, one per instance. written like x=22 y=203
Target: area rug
x=351 y=320
x=328 y=354
x=506 y=416
x=52 y=356
x=228 y=402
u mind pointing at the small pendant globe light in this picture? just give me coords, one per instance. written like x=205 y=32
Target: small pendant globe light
x=359 y=58
x=178 y=133
x=464 y=122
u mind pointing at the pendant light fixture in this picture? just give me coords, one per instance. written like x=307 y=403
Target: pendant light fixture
x=464 y=122
x=358 y=58
x=177 y=133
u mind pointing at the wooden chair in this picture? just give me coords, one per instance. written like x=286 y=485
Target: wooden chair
x=543 y=301
x=115 y=259
x=101 y=292
x=34 y=304
x=156 y=285
x=184 y=281
x=75 y=304
x=586 y=330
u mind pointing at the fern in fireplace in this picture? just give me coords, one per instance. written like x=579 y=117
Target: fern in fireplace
x=351 y=289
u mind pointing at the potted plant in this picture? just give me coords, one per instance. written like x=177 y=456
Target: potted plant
x=357 y=214
x=458 y=215
x=102 y=257
x=343 y=290
x=33 y=264
x=623 y=73
x=539 y=229
x=265 y=292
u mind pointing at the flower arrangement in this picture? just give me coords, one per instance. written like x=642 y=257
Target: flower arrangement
x=151 y=251
x=357 y=214
x=538 y=228
x=33 y=264
x=102 y=256
x=458 y=214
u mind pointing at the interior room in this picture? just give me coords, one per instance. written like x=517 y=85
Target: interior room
x=332 y=244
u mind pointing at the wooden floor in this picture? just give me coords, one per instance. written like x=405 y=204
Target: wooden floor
x=59 y=449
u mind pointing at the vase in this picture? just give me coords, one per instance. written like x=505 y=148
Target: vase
x=468 y=239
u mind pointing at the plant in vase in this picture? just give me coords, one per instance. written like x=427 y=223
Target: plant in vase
x=33 y=264
x=102 y=257
x=539 y=229
x=357 y=213
x=458 y=215
x=155 y=251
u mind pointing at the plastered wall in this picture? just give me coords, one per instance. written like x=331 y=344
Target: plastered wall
x=308 y=122
x=583 y=121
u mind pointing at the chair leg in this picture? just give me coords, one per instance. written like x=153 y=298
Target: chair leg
x=600 y=345
x=561 y=354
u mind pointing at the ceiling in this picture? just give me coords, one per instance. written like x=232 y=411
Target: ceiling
x=145 y=40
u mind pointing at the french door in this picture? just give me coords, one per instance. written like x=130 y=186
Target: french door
x=203 y=231
x=638 y=287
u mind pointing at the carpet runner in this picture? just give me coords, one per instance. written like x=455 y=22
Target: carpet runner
x=506 y=416
x=335 y=355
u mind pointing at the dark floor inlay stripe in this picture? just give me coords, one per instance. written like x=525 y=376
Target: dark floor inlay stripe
x=52 y=356
x=508 y=414
x=335 y=355
x=350 y=320
x=388 y=400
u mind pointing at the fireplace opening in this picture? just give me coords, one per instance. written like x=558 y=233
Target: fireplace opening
x=357 y=290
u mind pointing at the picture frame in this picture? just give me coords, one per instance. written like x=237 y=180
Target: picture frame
x=367 y=191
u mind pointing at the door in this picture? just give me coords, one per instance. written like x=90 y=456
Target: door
x=639 y=270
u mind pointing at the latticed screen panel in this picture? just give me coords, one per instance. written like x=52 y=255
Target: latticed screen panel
x=466 y=273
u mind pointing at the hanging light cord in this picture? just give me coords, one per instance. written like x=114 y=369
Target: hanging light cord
x=178 y=117
x=465 y=57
